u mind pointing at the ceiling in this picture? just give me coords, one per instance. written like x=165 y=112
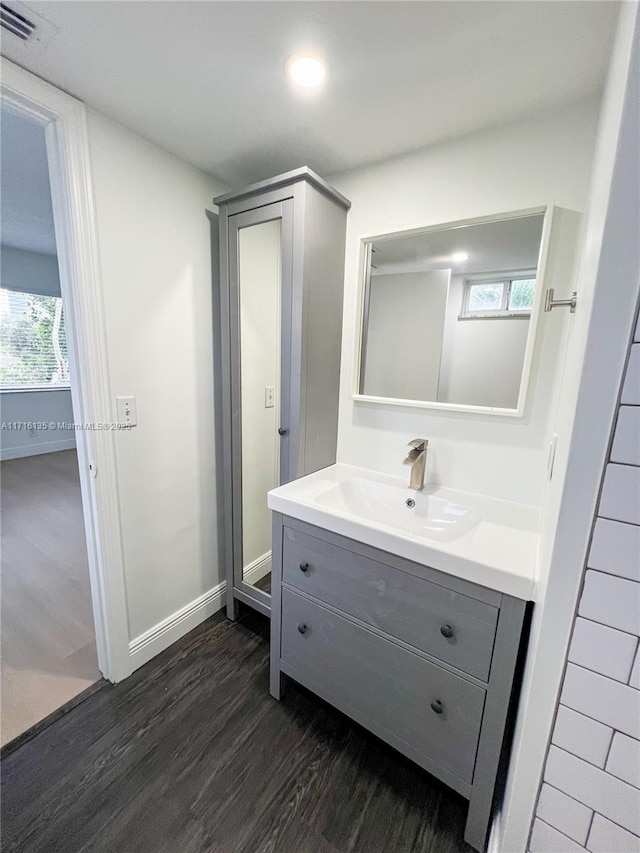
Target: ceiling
x=507 y=244
x=26 y=213
x=206 y=80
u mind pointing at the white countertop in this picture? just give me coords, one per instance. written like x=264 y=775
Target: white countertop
x=499 y=553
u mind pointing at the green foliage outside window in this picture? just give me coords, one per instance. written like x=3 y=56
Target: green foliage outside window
x=522 y=293
x=33 y=344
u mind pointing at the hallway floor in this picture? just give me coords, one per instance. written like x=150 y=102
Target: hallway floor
x=191 y=754
x=48 y=642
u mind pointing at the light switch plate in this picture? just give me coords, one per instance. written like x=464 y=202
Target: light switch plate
x=269 y=397
x=126 y=409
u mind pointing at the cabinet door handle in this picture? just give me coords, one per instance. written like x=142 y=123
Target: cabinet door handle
x=282 y=431
x=436 y=706
x=446 y=631
x=304 y=568
x=302 y=629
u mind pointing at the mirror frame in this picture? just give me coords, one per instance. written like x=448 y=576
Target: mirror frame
x=362 y=312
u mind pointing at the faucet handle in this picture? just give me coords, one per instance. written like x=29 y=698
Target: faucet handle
x=419 y=443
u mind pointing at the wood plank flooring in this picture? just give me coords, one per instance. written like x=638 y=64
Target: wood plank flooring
x=48 y=640
x=264 y=583
x=191 y=754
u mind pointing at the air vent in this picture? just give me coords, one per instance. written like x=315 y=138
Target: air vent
x=32 y=31
x=16 y=23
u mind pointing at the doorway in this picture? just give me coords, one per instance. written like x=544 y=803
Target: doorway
x=61 y=119
x=49 y=653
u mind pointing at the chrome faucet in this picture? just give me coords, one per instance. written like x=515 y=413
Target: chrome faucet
x=417 y=458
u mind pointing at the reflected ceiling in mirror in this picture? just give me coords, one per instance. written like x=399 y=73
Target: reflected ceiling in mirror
x=448 y=314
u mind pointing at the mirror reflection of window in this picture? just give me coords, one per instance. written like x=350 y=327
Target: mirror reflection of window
x=447 y=313
x=499 y=295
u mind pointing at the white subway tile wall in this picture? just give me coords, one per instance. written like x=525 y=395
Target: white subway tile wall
x=609 y=796
x=611 y=601
x=601 y=698
x=566 y=814
x=546 y=839
x=626 y=442
x=634 y=681
x=620 y=497
x=607 y=837
x=603 y=649
x=582 y=736
x=615 y=548
x=624 y=759
x=590 y=797
x=631 y=387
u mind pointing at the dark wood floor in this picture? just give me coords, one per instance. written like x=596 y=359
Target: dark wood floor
x=191 y=754
x=264 y=583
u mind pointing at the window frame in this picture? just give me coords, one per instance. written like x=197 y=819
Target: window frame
x=506 y=279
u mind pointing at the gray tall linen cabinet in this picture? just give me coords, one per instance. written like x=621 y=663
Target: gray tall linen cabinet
x=312 y=218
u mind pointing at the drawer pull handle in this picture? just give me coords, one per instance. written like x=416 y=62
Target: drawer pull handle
x=436 y=706
x=302 y=629
x=447 y=631
x=304 y=568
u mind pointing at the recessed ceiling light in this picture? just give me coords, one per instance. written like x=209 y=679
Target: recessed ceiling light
x=306 y=71
x=459 y=257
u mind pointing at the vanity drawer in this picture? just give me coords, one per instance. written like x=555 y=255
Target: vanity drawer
x=382 y=685
x=451 y=626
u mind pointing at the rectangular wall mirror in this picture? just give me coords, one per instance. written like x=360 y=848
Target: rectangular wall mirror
x=449 y=313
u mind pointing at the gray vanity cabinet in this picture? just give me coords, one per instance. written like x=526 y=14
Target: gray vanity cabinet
x=282 y=245
x=422 y=659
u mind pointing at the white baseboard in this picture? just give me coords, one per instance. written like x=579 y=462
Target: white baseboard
x=36 y=449
x=258 y=569
x=162 y=635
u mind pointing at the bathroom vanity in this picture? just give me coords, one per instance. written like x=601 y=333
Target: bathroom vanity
x=401 y=609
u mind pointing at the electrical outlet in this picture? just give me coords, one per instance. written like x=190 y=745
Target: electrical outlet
x=269 y=397
x=126 y=409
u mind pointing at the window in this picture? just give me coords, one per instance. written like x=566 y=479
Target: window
x=33 y=345
x=498 y=297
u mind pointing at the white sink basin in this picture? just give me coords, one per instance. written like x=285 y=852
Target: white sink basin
x=410 y=512
x=490 y=542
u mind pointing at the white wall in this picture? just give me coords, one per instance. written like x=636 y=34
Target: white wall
x=404 y=334
x=26 y=213
x=523 y=165
x=29 y=272
x=33 y=272
x=155 y=264
x=259 y=267
x=481 y=358
x=35 y=407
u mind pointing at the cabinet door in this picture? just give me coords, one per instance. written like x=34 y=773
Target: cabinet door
x=262 y=431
